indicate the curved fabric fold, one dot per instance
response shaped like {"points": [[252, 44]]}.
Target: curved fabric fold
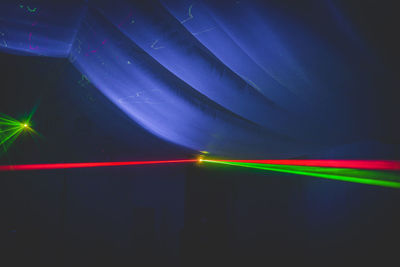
{"points": [[158, 33], [161, 102], [39, 28]]}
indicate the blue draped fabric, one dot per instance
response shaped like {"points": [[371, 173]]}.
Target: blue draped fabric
{"points": [[235, 78]]}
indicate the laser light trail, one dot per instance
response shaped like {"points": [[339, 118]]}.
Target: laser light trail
{"points": [[390, 165], [347, 175], [53, 166]]}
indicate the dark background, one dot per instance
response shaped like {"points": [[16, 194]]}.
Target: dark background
{"points": [[181, 215]]}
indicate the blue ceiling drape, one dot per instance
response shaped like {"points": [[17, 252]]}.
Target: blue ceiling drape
{"points": [[235, 78]]}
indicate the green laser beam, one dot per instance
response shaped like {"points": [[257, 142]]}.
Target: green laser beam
{"points": [[10, 129], [347, 175], [4, 120], [31, 114], [9, 139], [370, 174], [10, 135], [12, 139], [10, 124]]}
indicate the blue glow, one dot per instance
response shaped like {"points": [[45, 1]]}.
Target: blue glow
{"points": [[228, 77]]}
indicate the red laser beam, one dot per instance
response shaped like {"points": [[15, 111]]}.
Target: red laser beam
{"points": [[52, 166], [389, 165]]}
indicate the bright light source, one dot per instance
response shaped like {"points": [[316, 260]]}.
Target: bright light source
{"points": [[11, 129]]}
